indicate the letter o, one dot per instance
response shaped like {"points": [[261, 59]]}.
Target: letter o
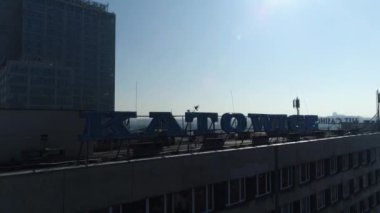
{"points": [[227, 126]]}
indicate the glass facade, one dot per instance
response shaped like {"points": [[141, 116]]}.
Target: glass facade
{"points": [[72, 35], [36, 85]]}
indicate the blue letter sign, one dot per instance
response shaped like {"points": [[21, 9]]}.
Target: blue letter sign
{"points": [[202, 121], [106, 125], [164, 122], [228, 119]]}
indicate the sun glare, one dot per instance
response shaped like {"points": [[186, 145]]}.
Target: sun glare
{"points": [[268, 7]]}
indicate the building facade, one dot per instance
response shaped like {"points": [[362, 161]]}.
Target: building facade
{"points": [[340, 174], [58, 54]]}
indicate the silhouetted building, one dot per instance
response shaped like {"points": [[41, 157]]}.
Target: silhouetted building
{"points": [[57, 54]]}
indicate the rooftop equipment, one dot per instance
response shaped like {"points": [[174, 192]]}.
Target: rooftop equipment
{"points": [[297, 105]]}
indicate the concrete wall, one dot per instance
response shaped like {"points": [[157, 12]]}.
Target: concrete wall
{"points": [[21, 130], [78, 189]]}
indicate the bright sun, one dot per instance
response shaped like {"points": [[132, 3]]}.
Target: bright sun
{"points": [[268, 7]]}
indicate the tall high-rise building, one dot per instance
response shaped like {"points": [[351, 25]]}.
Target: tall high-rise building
{"points": [[57, 54]]}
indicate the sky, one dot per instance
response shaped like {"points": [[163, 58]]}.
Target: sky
{"points": [[247, 56]]}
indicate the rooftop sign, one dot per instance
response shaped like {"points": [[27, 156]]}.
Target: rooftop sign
{"points": [[112, 125], [338, 120]]}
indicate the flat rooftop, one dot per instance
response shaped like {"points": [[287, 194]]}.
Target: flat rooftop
{"points": [[89, 4]]}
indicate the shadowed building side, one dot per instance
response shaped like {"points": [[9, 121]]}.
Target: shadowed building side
{"points": [[326, 175], [10, 30], [43, 36]]}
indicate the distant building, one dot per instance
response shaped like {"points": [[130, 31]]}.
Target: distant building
{"points": [[57, 54]]}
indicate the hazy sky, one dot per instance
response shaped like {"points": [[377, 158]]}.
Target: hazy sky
{"points": [[183, 53]]}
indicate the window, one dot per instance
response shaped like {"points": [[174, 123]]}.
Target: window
{"points": [[250, 187], [354, 208], [220, 195], [286, 178], [210, 197], [364, 158], [364, 206], [365, 181], [355, 160], [334, 194], [321, 200], [304, 171], [378, 175], [333, 165], [203, 198], [287, 208], [372, 178], [236, 191], [115, 209], [356, 183], [345, 162], [320, 169], [373, 155], [346, 189], [159, 204], [263, 184], [371, 201], [305, 205], [138, 207], [182, 201]]}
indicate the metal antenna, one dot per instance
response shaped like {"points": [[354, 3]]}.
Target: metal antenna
{"points": [[232, 100], [297, 105], [136, 98], [378, 109]]}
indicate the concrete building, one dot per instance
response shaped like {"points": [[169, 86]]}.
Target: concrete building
{"points": [[57, 54], [29, 135], [339, 174]]}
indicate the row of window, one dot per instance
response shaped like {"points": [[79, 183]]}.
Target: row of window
{"points": [[316, 202], [38, 70], [224, 195], [307, 172], [333, 194], [365, 205], [199, 199], [230, 193]]}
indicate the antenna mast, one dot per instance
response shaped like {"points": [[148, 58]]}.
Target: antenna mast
{"points": [[136, 98], [378, 110], [232, 100], [297, 105]]}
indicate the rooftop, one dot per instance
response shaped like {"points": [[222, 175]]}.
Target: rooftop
{"points": [[171, 151], [89, 3]]}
